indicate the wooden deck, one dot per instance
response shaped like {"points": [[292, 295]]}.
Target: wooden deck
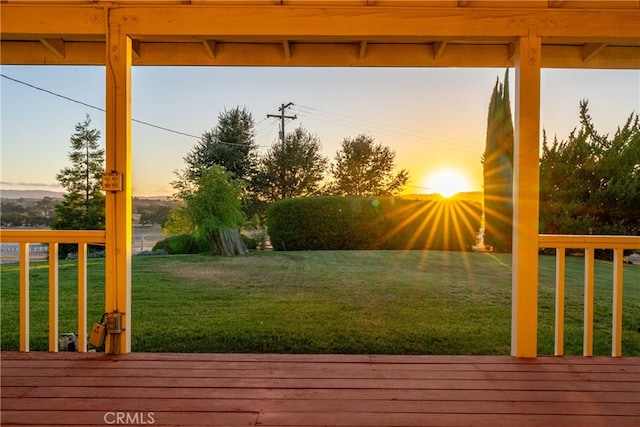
{"points": [[317, 390]]}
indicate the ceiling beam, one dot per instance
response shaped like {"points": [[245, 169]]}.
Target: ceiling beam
{"points": [[320, 55], [296, 23]]}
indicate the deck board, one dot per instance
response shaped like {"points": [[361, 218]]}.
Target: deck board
{"points": [[41, 389]]}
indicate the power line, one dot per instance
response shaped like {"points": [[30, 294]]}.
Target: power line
{"points": [[166, 129]]}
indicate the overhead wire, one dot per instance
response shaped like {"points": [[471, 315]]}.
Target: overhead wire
{"points": [[166, 129]]}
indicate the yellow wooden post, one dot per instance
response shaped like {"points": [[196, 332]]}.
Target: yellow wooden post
{"points": [[616, 324], [24, 296], [526, 173], [82, 297], [53, 297], [118, 202]]}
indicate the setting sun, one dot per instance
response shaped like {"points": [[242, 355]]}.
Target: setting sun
{"points": [[447, 182]]}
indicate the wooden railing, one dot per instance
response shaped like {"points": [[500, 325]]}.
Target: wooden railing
{"points": [[589, 244], [53, 238]]}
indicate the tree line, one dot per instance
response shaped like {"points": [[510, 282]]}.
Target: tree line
{"points": [[589, 183]]}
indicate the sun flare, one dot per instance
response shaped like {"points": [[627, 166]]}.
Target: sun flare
{"points": [[447, 182]]}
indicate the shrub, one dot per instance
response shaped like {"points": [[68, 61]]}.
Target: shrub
{"points": [[335, 222], [181, 244]]}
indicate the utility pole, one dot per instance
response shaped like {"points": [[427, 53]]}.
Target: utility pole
{"points": [[282, 116]]}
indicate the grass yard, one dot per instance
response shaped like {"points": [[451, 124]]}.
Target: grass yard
{"points": [[392, 302]]}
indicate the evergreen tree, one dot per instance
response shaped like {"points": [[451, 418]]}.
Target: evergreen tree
{"points": [[230, 145], [82, 207], [590, 183], [292, 169], [498, 170], [363, 168]]}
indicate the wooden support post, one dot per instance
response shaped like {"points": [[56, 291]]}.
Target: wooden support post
{"points": [[558, 348], [526, 178], [118, 202], [616, 321]]}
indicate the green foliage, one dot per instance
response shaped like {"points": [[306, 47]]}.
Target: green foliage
{"points": [[292, 169], [498, 170], [590, 183], [82, 207], [363, 168], [182, 244], [212, 203], [338, 223], [230, 145], [158, 215]]}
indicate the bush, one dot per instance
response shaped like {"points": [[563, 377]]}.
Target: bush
{"points": [[336, 223], [181, 244]]}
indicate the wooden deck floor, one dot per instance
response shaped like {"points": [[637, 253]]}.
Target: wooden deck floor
{"points": [[317, 390]]}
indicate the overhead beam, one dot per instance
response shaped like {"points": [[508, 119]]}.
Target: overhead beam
{"points": [[56, 46], [591, 50], [135, 49], [320, 55]]}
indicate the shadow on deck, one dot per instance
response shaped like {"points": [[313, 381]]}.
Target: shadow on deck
{"points": [[317, 390]]}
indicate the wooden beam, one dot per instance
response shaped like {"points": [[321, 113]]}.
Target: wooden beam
{"points": [[118, 203], [438, 49], [463, 3], [339, 55], [51, 20], [367, 23], [526, 193], [210, 48], [591, 50], [287, 50], [555, 3], [363, 50], [56, 46]]}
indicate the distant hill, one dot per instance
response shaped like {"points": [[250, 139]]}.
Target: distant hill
{"points": [[30, 194]]}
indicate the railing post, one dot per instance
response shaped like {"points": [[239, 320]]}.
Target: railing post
{"points": [[616, 321], [24, 297], [82, 297], [558, 348], [589, 261], [524, 311], [53, 296]]}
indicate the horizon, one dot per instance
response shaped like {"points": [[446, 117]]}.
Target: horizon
{"points": [[434, 119]]}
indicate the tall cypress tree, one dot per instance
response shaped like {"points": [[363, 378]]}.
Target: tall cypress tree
{"points": [[498, 170]]}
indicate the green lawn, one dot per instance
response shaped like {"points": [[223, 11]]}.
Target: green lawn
{"points": [[394, 302]]}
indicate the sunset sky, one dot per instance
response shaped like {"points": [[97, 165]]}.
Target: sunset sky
{"points": [[434, 119]]}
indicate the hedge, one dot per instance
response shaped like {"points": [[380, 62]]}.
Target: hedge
{"points": [[335, 222]]}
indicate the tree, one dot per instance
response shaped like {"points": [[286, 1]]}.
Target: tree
{"points": [[82, 207], [498, 170], [363, 168], [590, 183], [212, 210], [293, 169], [231, 145]]}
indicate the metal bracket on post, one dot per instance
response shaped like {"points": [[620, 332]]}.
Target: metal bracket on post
{"points": [[111, 181], [114, 323]]}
